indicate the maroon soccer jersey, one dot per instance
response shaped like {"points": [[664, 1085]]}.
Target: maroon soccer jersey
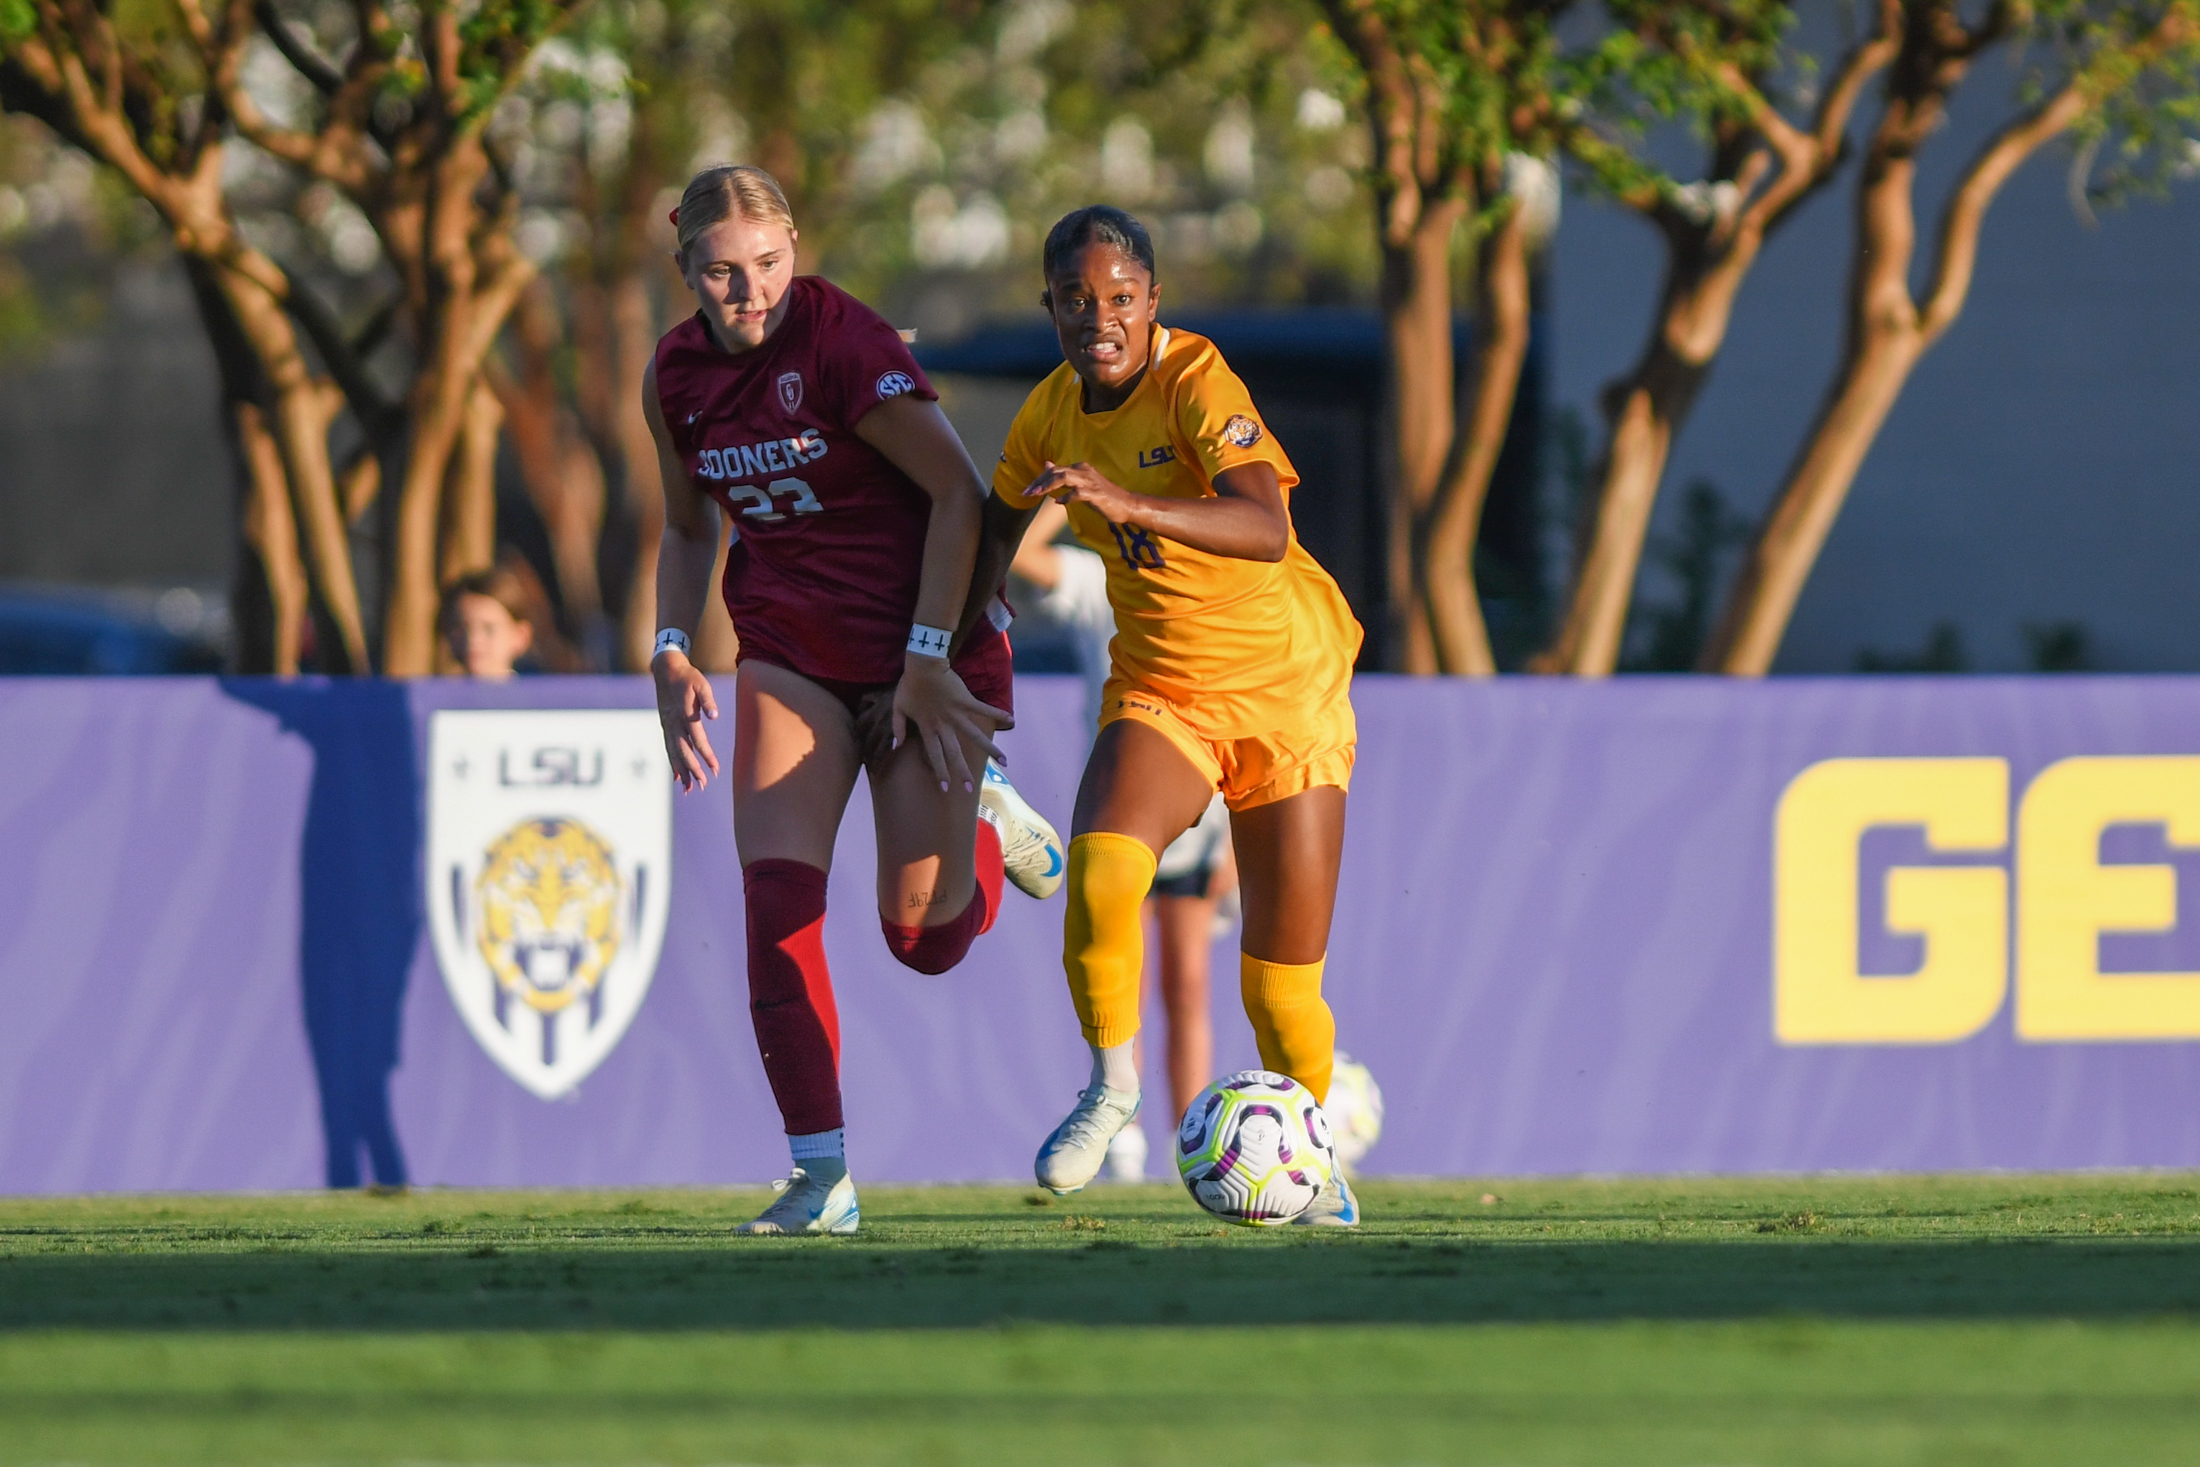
{"points": [[829, 535]]}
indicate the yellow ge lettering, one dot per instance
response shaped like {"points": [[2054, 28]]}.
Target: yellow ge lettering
{"points": [[1819, 997], [2065, 900]]}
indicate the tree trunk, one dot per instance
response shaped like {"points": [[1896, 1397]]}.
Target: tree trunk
{"points": [[469, 280], [1780, 560], [1649, 406], [470, 498], [272, 534], [1889, 327], [556, 460], [303, 410], [1417, 310], [1444, 561], [634, 336]]}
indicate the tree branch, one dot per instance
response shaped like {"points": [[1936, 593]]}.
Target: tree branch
{"points": [[299, 52], [343, 358], [1392, 109], [2108, 73]]}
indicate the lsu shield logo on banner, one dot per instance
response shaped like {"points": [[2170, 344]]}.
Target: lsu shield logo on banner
{"points": [[549, 877]]}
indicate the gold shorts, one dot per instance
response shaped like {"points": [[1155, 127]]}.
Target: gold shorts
{"points": [[1316, 748]]}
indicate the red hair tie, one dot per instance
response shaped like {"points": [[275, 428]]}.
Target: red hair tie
{"points": [[674, 216]]}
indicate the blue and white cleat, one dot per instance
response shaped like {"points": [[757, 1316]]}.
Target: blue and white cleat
{"points": [[1333, 1206], [1074, 1154], [807, 1204], [1030, 848]]}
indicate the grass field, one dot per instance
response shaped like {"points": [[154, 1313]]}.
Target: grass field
{"points": [[1804, 1321]]}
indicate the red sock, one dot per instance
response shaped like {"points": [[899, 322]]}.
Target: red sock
{"points": [[791, 992], [991, 873], [936, 949]]}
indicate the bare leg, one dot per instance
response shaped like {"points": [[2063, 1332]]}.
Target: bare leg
{"points": [[1288, 854], [1139, 784], [794, 765], [925, 838], [1186, 926]]}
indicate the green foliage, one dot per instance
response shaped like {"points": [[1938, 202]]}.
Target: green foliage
{"points": [[926, 148], [1701, 64], [18, 19], [495, 38], [2140, 60]]}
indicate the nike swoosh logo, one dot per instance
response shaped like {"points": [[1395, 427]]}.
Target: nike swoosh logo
{"points": [[1054, 861]]}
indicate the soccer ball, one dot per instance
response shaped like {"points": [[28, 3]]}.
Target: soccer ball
{"points": [[1355, 1108], [1254, 1148]]}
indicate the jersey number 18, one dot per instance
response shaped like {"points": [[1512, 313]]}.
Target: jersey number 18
{"points": [[1137, 546]]}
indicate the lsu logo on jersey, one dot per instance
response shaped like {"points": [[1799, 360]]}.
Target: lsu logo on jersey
{"points": [[790, 390], [548, 875], [894, 384], [1154, 458], [1240, 431]]}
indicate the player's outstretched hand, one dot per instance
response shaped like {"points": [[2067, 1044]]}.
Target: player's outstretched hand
{"points": [[1081, 483], [684, 701], [932, 706]]}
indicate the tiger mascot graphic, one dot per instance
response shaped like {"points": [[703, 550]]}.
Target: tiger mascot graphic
{"points": [[549, 898]]}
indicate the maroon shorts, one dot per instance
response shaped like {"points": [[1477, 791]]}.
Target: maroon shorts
{"points": [[986, 666]]}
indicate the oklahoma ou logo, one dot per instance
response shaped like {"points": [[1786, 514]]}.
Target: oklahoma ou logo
{"points": [[894, 384]]}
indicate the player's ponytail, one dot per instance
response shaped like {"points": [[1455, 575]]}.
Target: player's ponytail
{"points": [[730, 190]]}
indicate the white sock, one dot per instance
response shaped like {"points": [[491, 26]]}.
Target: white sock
{"points": [[819, 1146], [1115, 1067]]}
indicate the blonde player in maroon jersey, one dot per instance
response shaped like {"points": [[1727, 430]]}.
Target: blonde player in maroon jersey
{"points": [[792, 407]]}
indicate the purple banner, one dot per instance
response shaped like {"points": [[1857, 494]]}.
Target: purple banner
{"points": [[1639, 926]]}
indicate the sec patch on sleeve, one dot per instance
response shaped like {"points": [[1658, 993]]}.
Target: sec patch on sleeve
{"points": [[1240, 431], [894, 384]]}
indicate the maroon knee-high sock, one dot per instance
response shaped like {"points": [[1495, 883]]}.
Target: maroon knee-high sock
{"points": [[791, 992], [936, 949]]}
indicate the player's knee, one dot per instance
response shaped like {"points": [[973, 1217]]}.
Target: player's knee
{"points": [[936, 949]]}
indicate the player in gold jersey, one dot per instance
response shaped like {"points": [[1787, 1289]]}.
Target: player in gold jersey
{"points": [[1232, 668]]}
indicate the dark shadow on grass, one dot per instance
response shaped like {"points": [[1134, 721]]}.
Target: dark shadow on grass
{"points": [[866, 1284]]}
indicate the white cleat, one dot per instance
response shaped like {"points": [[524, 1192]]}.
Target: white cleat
{"points": [[1073, 1155], [1126, 1156], [1030, 848], [1333, 1206], [807, 1204]]}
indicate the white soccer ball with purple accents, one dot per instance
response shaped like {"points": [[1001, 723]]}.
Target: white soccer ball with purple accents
{"points": [[1254, 1148]]}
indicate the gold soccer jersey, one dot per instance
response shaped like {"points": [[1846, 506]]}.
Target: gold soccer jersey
{"points": [[1240, 654]]}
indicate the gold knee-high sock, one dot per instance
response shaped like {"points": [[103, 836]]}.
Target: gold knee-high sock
{"points": [[1103, 941], [1296, 1032]]}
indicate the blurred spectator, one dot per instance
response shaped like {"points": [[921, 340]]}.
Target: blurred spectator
{"points": [[498, 622]]}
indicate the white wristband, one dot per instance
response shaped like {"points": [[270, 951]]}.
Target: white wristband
{"points": [[929, 641], [674, 638]]}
